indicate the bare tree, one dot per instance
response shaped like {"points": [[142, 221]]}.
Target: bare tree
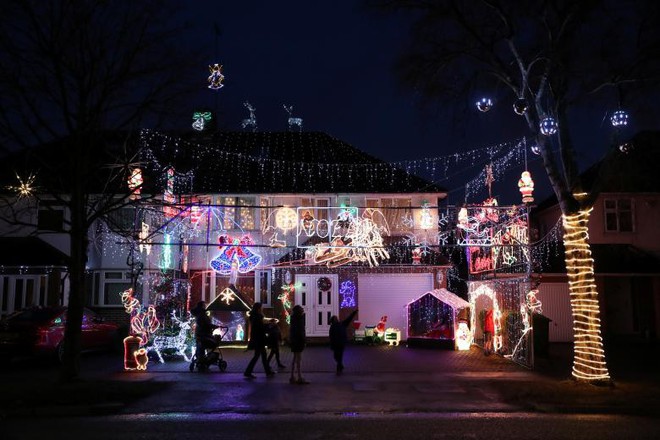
{"points": [[551, 58], [72, 74]]}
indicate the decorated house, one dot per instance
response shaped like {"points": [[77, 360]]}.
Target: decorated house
{"points": [[283, 218]]}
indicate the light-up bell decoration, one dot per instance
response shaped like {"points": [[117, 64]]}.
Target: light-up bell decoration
{"points": [[619, 118], [526, 187], [216, 77], [200, 119], [520, 106], [548, 126], [235, 255], [484, 104]]}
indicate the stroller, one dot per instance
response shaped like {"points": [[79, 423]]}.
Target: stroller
{"points": [[212, 352]]}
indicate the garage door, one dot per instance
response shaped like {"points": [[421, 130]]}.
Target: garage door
{"points": [[387, 294]]}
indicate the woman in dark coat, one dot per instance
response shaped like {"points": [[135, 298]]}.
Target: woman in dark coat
{"points": [[338, 338], [297, 341], [257, 342]]}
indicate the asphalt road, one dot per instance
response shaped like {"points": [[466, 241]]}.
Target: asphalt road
{"points": [[455, 426]]}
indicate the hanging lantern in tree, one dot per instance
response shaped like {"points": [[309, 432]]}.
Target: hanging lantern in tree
{"points": [[619, 118], [548, 126], [520, 106], [484, 104], [526, 186], [536, 149], [216, 77]]}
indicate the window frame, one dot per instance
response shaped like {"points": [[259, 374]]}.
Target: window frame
{"points": [[101, 282], [617, 211]]}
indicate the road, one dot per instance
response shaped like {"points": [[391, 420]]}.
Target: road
{"points": [[455, 426]]}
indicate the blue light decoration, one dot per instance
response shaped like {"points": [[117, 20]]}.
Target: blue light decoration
{"points": [[548, 126], [619, 118], [484, 104], [216, 77], [235, 251], [536, 149], [347, 292]]}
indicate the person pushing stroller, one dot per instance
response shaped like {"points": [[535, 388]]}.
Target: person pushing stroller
{"points": [[204, 338]]}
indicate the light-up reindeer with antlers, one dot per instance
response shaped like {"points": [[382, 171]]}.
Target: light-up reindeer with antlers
{"points": [[252, 120], [293, 121], [176, 342]]}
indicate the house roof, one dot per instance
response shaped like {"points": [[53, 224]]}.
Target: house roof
{"points": [[279, 162], [29, 251], [230, 303], [632, 171], [447, 297]]}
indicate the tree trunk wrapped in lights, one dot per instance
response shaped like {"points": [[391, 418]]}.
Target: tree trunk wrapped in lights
{"points": [[589, 355]]}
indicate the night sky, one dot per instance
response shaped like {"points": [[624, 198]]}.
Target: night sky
{"points": [[332, 61]]}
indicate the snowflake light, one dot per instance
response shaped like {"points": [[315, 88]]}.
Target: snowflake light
{"points": [[25, 188], [216, 77]]}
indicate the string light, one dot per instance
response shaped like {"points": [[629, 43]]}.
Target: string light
{"points": [[589, 358], [25, 188]]}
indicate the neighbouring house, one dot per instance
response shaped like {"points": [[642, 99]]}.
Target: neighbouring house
{"points": [[625, 244]]}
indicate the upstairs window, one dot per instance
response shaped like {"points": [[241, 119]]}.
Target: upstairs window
{"points": [[238, 213], [619, 215]]}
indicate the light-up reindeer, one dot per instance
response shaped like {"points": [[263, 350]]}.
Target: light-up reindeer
{"points": [[252, 120], [176, 342], [293, 121]]}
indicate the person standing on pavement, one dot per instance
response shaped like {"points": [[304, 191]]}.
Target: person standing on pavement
{"points": [[297, 341], [489, 329], [273, 340], [257, 342], [338, 338]]}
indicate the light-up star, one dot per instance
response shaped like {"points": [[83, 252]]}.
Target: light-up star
{"points": [[25, 187], [227, 295]]}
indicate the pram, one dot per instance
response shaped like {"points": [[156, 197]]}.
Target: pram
{"points": [[213, 353]]}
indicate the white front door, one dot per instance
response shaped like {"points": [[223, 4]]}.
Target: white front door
{"points": [[317, 294]]}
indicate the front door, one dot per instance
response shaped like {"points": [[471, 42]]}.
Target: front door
{"points": [[317, 294]]}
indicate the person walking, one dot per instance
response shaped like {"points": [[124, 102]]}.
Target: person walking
{"points": [[338, 338], [257, 342], [297, 341], [273, 340]]}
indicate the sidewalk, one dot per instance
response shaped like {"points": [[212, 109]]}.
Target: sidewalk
{"points": [[378, 379]]}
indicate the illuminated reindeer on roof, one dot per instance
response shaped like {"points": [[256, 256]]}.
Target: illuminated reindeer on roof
{"points": [[252, 120], [293, 121]]}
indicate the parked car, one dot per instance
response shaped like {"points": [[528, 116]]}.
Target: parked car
{"points": [[40, 331]]}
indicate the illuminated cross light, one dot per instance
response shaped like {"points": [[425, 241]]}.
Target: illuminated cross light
{"points": [[589, 357]]}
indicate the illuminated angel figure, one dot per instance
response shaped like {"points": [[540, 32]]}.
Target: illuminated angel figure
{"points": [[216, 77]]}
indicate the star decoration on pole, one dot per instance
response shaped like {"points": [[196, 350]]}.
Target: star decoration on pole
{"points": [[227, 295]]}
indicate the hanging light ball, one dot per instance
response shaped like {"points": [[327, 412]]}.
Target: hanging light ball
{"points": [[548, 126], [619, 118], [536, 149], [625, 147], [484, 104], [520, 106]]}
